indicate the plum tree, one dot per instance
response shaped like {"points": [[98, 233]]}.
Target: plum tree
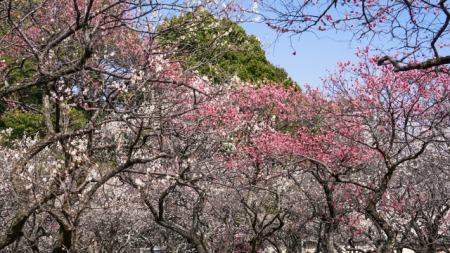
{"points": [[412, 34]]}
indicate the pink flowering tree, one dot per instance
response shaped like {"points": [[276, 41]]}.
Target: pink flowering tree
{"points": [[397, 118], [207, 191], [349, 152]]}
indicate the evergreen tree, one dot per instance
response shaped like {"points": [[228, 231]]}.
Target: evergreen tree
{"points": [[220, 49]]}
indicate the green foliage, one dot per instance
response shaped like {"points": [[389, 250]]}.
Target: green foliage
{"points": [[220, 49], [77, 119], [18, 71], [15, 124], [21, 123]]}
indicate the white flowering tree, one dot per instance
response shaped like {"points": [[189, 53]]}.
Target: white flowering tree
{"points": [[102, 94]]}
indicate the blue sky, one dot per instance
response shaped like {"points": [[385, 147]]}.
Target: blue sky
{"points": [[315, 54]]}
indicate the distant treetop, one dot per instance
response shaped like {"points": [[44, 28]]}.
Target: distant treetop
{"points": [[220, 49]]}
